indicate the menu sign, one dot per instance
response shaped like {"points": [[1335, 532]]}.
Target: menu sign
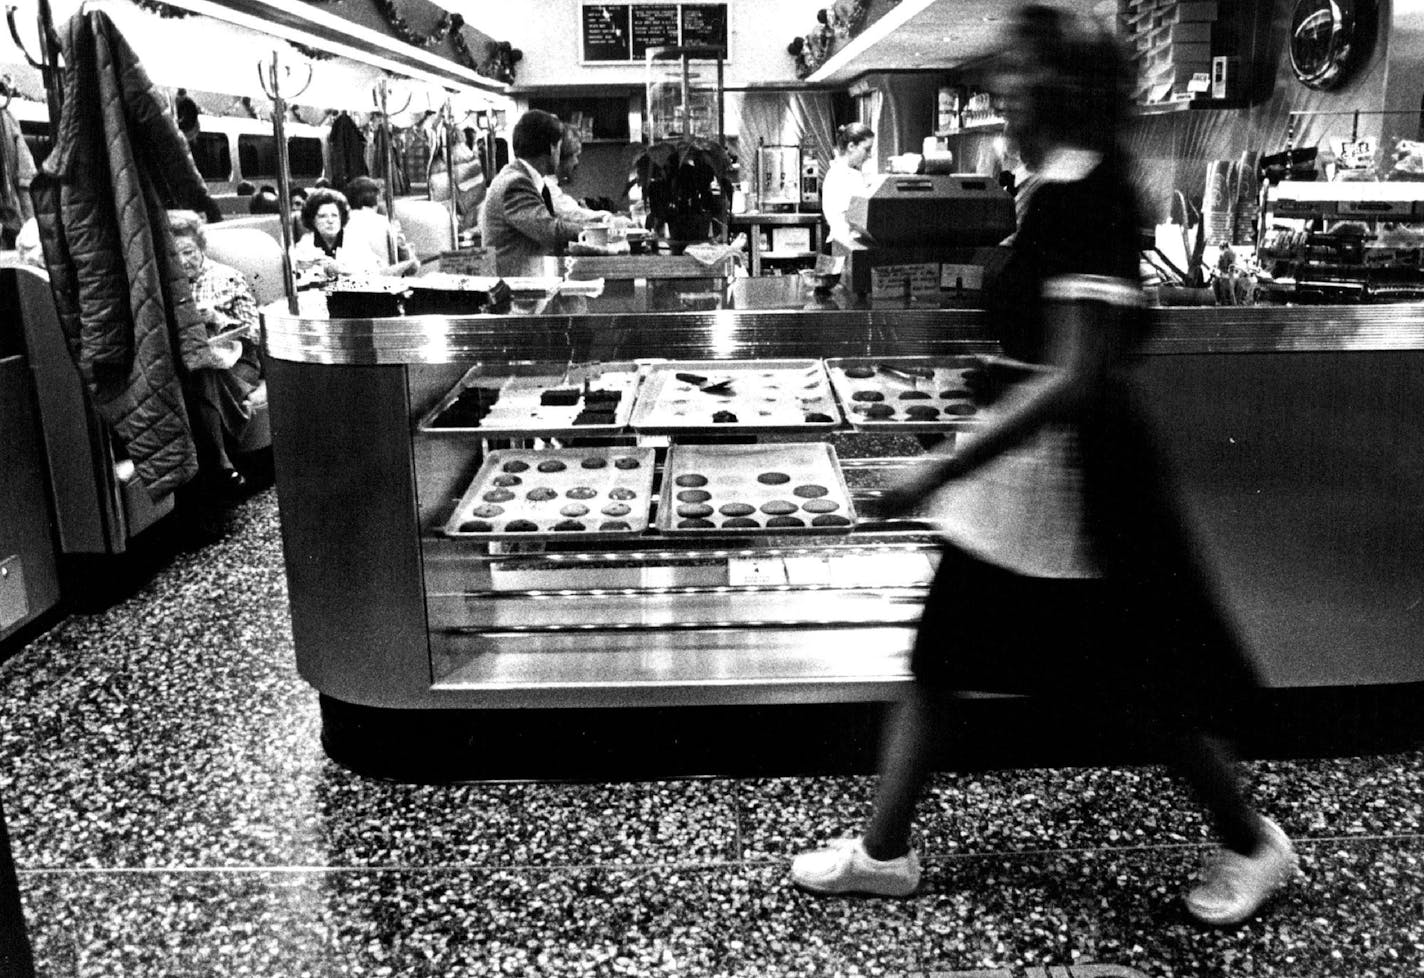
{"points": [[623, 32], [654, 26], [705, 25], [605, 32]]}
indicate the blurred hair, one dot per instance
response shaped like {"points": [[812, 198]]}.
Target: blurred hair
{"points": [[851, 133], [363, 192], [573, 140], [1078, 78], [246, 188], [188, 224], [319, 197], [535, 132], [264, 202]]}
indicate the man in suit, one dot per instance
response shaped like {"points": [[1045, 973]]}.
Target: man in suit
{"points": [[519, 220]]}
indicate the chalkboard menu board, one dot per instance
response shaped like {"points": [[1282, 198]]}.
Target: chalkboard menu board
{"points": [[705, 24], [623, 32], [654, 26], [605, 32]]}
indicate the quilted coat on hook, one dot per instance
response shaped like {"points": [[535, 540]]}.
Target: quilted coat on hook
{"points": [[118, 164]]}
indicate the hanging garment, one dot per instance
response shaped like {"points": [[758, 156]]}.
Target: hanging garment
{"points": [[119, 162], [17, 170], [348, 151], [399, 185]]}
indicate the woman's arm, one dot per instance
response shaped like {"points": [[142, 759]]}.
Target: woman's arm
{"points": [[1086, 337]]}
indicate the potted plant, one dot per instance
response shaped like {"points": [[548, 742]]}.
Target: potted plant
{"points": [[686, 182]]}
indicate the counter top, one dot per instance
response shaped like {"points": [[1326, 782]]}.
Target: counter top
{"points": [[780, 317]]}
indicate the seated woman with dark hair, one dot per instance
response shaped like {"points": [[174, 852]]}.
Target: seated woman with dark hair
{"points": [[367, 228], [218, 392], [321, 255]]}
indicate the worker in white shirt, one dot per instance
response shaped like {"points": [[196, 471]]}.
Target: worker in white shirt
{"points": [[844, 179]]}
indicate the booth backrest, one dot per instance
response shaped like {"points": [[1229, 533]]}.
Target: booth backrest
{"points": [[268, 224], [426, 225], [251, 252]]}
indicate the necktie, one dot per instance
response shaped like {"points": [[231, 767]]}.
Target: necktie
{"points": [[548, 199]]}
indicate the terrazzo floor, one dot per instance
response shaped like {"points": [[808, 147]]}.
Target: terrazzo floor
{"points": [[172, 814]]}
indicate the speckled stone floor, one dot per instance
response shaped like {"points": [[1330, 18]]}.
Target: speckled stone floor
{"points": [[173, 815]]}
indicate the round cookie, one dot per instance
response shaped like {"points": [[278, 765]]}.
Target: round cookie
{"points": [[879, 411], [498, 496], [692, 480], [582, 492], [778, 507], [829, 520], [695, 524], [616, 509], [859, 373], [626, 462], [694, 509], [504, 481], [486, 512], [475, 526], [914, 396], [737, 509], [820, 505], [515, 465], [551, 465], [740, 523], [784, 522], [961, 409], [573, 509], [607, 525], [521, 526], [922, 412], [867, 396], [810, 491], [594, 462], [816, 417], [773, 478], [951, 393], [569, 526], [621, 493], [541, 494], [693, 496], [723, 417]]}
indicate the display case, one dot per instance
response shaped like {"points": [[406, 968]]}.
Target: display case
{"points": [[405, 598]]}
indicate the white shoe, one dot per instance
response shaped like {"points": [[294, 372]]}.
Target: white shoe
{"points": [[1233, 887], [844, 867]]}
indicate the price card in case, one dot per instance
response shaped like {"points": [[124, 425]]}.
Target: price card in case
{"points": [[756, 570]]}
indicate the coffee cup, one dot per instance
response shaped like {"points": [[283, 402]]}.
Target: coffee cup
{"points": [[596, 234]]}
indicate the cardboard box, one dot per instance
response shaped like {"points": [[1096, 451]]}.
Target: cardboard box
{"points": [[1223, 77], [1188, 12], [1195, 32], [1197, 54]]}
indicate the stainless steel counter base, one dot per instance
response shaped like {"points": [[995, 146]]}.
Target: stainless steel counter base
{"points": [[1295, 433]]}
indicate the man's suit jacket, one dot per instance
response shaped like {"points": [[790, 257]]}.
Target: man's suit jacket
{"points": [[518, 225]]}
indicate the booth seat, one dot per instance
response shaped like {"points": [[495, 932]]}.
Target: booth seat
{"points": [[426, 225]]}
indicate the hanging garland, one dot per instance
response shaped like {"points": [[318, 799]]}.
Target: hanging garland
{"points": [[405, 32], [162, 9], [313, 53]]}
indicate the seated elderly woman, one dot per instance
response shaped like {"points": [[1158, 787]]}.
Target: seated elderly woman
{"points": [[218, 392], [369, 228], [322, 254]]}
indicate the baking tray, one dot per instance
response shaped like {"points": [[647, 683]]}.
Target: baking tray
{"points": [[595, 488], [949, 374], [807, 474], [516, 409], [767, 396]]}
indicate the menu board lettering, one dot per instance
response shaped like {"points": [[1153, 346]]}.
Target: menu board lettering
{"points": [[654, 26], [623, 32], [705, 25], [605, 32]]}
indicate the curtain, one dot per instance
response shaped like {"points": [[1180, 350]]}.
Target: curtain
{"points": [[785, 119]]}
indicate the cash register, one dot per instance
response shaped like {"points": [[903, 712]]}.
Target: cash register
{"points": [[926, 233]]}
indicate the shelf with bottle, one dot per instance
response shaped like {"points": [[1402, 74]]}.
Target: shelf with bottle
{"points": [[977, 126]]}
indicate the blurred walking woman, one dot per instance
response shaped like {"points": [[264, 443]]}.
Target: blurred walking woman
{"points": [[1066, 569]]}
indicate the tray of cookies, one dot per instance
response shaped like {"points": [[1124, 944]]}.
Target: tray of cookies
{"points": [[907, 393], [754, 490], [685, 396], [586, 400], [563, 493]]}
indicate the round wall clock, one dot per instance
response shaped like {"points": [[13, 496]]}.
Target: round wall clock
{"points": [[1324, 41]]}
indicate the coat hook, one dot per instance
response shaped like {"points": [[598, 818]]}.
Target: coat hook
{"points": [[10, 11]]}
